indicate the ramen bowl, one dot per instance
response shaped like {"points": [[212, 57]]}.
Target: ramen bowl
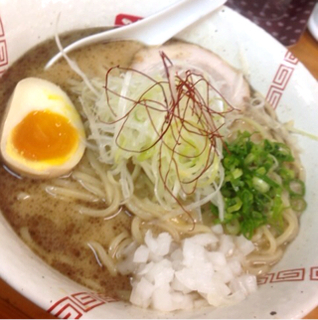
{"points": [[290, 289]]}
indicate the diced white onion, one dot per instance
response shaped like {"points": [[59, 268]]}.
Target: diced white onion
{"points": [[205, 269]]}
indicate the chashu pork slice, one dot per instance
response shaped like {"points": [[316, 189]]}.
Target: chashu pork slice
{"points": [[227, 80]]}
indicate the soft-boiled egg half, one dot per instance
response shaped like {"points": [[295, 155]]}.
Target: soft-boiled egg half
{"points": [[42, 134]]}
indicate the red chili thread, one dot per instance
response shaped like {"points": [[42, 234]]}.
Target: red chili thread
{"points": [[179, 88]]}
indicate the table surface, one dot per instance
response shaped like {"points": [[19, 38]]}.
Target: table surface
{"points": [[14, 306]]}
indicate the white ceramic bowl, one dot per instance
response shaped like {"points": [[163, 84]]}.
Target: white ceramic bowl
{"points": [[291, 288]]}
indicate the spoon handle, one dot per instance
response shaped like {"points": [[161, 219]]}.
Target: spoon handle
{"points": [[153, 30], [162, 26]]}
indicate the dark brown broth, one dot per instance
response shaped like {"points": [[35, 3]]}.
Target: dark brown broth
{"points": [[60, 234]]}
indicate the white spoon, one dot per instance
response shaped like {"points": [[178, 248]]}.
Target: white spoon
{"points": [[154, 30]]}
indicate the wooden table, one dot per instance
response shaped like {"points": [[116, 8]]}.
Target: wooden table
{"points": [[14, 305]]}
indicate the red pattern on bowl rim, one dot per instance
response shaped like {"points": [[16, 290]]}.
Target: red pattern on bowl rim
{"points": [[4, 59]]}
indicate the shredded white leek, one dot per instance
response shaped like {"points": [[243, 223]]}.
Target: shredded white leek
{"points": [[170, 147]]}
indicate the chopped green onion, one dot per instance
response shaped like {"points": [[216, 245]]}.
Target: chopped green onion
{"points": [[251, 197], [260, 185], [286, 174], [298, 204], [296, 187], [234, 204], [266, 179], [237, 173], [233, 227]]}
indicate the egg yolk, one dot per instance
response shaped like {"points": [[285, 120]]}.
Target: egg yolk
{"points": [[43, 136]]}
